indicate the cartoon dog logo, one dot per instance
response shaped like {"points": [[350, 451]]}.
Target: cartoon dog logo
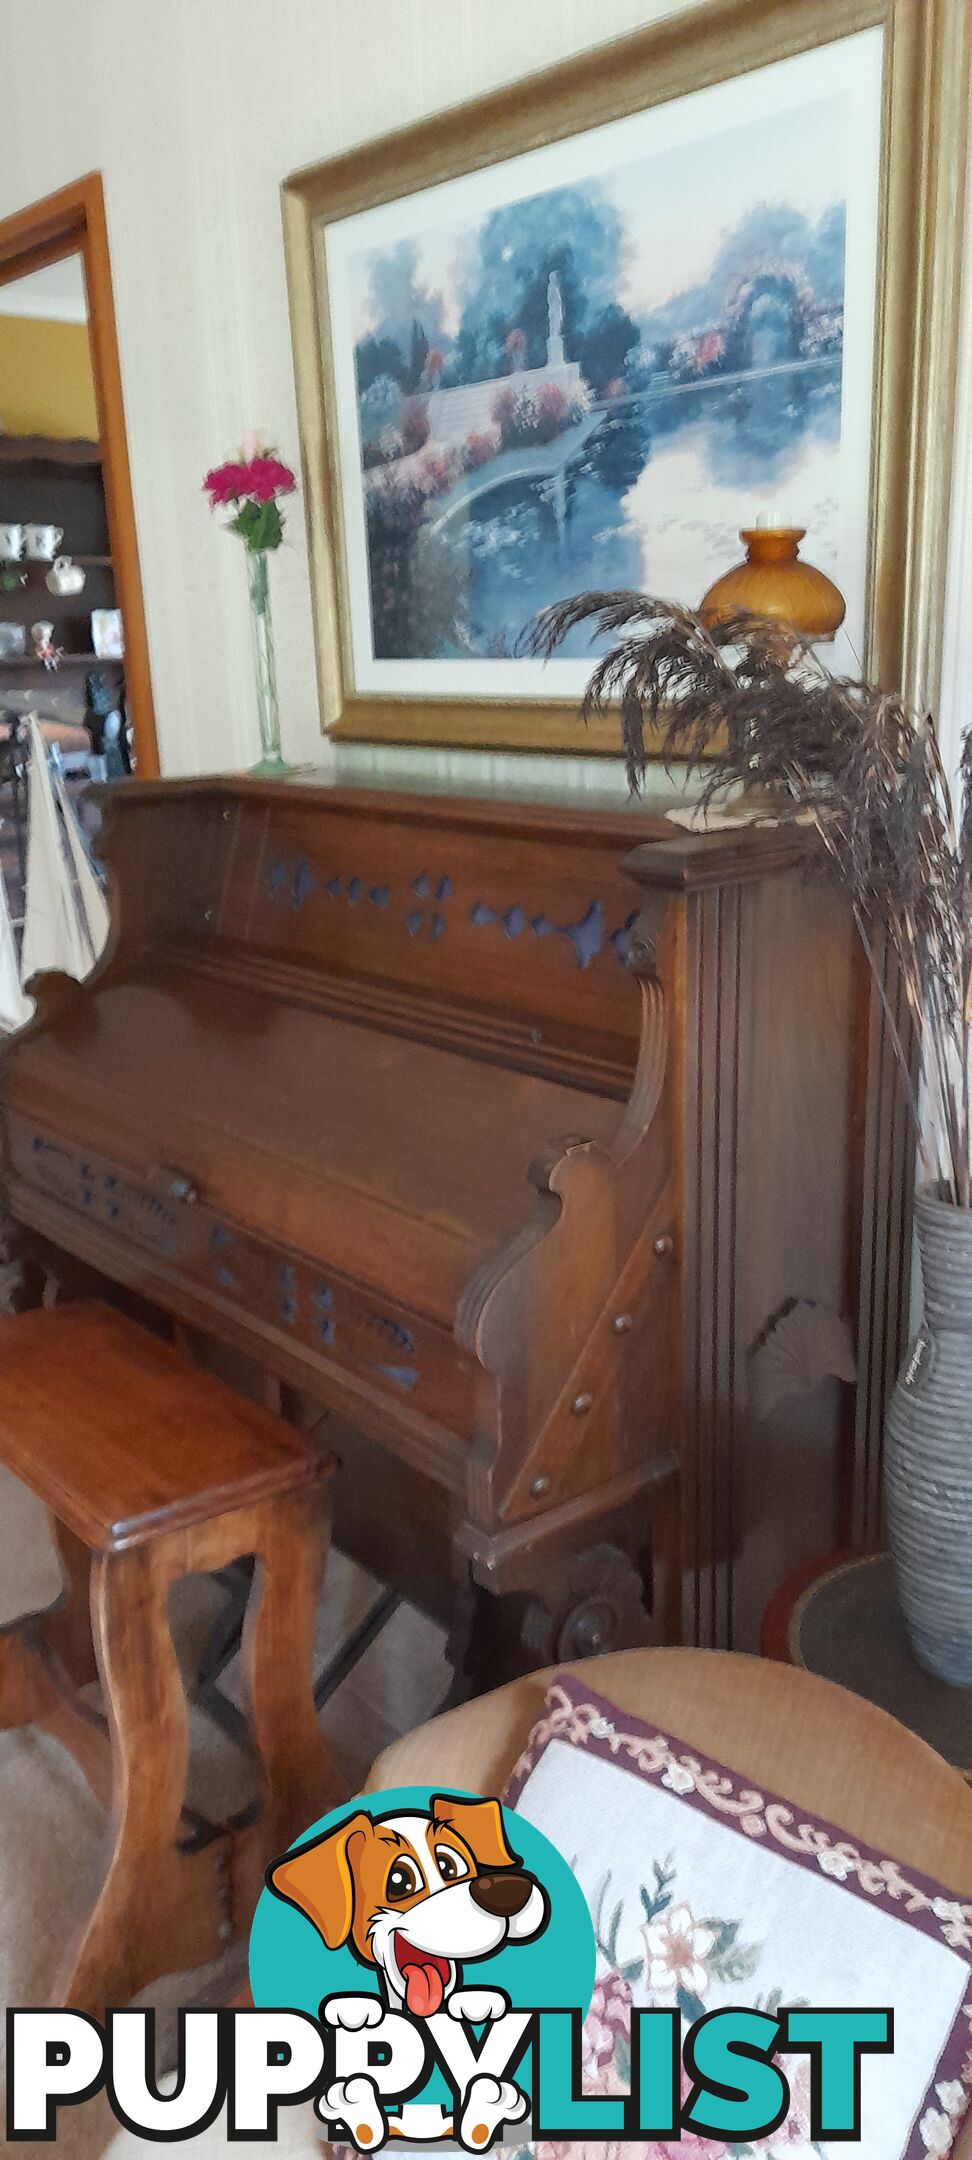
{"points": [[417, 1897]]}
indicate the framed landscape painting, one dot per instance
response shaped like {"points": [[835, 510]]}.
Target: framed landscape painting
{"points": [[579, 335]]}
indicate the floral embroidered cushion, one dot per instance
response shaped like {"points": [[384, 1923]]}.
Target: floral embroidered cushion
{"points": [[707, 1894]]}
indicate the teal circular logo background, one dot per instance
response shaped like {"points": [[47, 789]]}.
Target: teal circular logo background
{"points": [[291, 1967]]}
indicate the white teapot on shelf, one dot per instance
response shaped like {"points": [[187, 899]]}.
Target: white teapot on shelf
{"points": [[65, 577]]}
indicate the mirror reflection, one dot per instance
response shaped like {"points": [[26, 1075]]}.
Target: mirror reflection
{"points": [[61, 631]]}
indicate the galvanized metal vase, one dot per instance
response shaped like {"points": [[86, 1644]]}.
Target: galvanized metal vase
{"points": [[928, 1458]]}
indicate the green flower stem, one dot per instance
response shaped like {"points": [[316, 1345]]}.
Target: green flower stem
{"points": [[259, 524]]}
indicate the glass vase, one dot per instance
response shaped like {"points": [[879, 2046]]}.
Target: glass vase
{"points": [[271, 759]]}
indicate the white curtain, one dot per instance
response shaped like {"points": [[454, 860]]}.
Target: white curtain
{"points": [[66, 920], [15, 1008]]}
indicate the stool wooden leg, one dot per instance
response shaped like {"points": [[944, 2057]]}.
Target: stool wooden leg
{"points": [[27, 1693], [299, 1780], [21, 1695], [67, 1631], [150, 1916]]}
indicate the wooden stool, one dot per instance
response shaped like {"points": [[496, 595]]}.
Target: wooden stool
{"points": [[152, 1470]]}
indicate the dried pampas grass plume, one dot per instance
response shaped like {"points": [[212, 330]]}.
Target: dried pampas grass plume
{"points": [[748, 699]]}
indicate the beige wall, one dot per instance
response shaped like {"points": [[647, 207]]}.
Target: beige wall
{"points": [[46, 384], [195, 111]]}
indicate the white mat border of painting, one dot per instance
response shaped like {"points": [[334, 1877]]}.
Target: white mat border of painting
{"points": [[850, 66]]}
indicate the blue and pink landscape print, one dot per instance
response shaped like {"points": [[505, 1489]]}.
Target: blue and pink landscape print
{"points": [[597, 383]]}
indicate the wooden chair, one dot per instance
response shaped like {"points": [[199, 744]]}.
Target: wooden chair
{"points": [[152, 1470], [794, 1734]]}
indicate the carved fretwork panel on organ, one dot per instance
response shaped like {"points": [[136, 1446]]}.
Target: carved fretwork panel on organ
{"points": [[490, 1132]]}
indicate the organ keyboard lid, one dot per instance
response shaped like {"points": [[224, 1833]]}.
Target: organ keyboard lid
{"points": [[343, 1014], [349, 1134]]}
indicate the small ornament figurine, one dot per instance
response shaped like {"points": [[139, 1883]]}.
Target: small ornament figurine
{"points": [[252, 484], [42, 639]]}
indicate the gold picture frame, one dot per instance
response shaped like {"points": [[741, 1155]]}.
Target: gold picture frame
{"points": [[926, 57]]}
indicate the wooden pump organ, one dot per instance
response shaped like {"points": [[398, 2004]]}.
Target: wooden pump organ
{"points": [[502, 1144]]}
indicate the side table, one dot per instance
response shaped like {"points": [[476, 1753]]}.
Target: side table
{"points": [[840, 1618]]}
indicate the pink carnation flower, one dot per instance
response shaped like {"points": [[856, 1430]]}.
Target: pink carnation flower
{"points": [[264, 477], [225, 484], [260, 477]]}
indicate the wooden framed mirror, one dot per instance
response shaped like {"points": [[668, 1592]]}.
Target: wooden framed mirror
{"points": [[72, 223]]}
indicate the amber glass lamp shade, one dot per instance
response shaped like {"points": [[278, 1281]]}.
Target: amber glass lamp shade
{"points": [[774, 582]]}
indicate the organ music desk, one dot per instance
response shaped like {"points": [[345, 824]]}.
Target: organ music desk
{"points": [[496, 1141]]}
